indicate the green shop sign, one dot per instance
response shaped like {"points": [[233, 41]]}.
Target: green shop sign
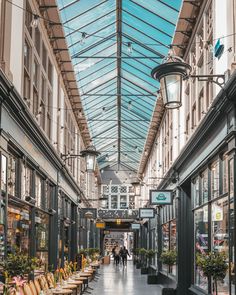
{"points": [[163, 197]]}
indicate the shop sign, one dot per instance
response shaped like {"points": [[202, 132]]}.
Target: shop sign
{"points": [[100, 224], [217, 213], [146, 212], [135, 226], [163, 197]]}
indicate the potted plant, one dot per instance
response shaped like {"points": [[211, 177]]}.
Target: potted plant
{"points": [[213, 264], [150, 254], [19, 265], [143, 254], [169, 258], [138, 257]]}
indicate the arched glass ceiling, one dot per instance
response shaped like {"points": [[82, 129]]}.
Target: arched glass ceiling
{"points": [[114, 45]]}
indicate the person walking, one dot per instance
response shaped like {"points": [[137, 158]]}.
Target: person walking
{"points": [[117, 255], [123, 253]]}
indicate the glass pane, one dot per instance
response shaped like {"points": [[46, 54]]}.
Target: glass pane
{"points": [[4, 174], [204, 180], [11, 180], [215, 180], [42, 233], [114, 202], [201, 243], [38, 191], [173, 242], [196, 194], [165, 242], [220, 236], [18, 229], [225, 174]]}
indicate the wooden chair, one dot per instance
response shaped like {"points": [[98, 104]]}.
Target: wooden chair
{"points": [[33, 288], [50, 280], [27, 290], [43, 283], [37, 286]]}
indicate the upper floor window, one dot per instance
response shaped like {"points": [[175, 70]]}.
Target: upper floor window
{"points": [[27, 175]]}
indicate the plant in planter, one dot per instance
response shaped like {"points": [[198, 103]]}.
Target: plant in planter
{"points": [[213, 265], [150, 254], [19, 265], [143, 254], [169, 258]]}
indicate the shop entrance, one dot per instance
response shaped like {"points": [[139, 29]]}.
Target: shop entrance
{"points": [[118, 239]]}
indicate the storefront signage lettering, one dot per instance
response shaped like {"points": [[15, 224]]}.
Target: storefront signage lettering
{"points": [[163, 197], [146, 212]]}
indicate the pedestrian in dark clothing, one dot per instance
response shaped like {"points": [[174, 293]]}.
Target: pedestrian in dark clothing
{"points": [[123, 253], [117, 256]]}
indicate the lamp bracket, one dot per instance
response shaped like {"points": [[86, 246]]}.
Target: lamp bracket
{"points": [[217, 79], [68, 156]]}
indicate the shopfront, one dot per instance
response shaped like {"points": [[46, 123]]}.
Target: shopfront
{"points": [[213, 211]]}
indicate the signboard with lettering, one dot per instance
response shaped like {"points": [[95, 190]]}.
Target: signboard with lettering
{"points": [[163, 197], [100, 224], [146, 212], [135, 225]]}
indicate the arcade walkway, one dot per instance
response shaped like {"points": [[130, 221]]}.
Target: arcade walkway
{"points": [[119, 281]]}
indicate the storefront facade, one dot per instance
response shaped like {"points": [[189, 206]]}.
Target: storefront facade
{"points": [[201, 218]]}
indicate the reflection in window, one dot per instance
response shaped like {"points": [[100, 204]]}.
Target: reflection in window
{"points": [[204, 180], [215, 180], [123, 202], [165, 242], [201, 243], [220, 235], [26, 181], [18, 229], [42, 233], [38, 190], [196, 194], [4, 174], [11, 179], [225, 174]]}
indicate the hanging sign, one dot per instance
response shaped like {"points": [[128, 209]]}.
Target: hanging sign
{"points": [[163, 197], [146, 212], [135, 226], [100, 224]]}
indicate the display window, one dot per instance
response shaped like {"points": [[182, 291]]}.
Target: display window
{"points": [[214, 222], [42, 236], [201, 243], [18, 229]]}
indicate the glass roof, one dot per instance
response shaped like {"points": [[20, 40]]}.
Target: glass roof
{"points": [[114, 45]]}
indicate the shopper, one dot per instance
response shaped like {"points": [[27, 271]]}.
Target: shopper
{"points": [[123, 253], [117, 255]]}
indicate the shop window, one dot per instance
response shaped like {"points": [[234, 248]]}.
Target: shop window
{"points": [[38, 190], [220, 235], [48, 196], [42, 234], [173, 242], [27, 175], [196, 193], [231, 227], [204, 186], [18, 229], [11, 176], [225, 174], [215, 180], [3, 174], [201, 243]]}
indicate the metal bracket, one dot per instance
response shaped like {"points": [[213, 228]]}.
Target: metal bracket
{"points": [[217, 79]]}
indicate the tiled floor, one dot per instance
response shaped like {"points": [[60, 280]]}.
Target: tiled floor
{"points": [[116, 280]]}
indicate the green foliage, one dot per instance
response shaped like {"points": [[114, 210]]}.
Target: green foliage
{"points": [[169, 257], [19, 264], [213, 264], [142, 251], [150, 253], [136, 251]]}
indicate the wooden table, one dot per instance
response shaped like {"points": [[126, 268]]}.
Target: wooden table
{"points": [[62, 291]]}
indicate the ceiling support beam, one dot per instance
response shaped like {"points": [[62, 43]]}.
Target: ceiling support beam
{"points": [[119, 52]]}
